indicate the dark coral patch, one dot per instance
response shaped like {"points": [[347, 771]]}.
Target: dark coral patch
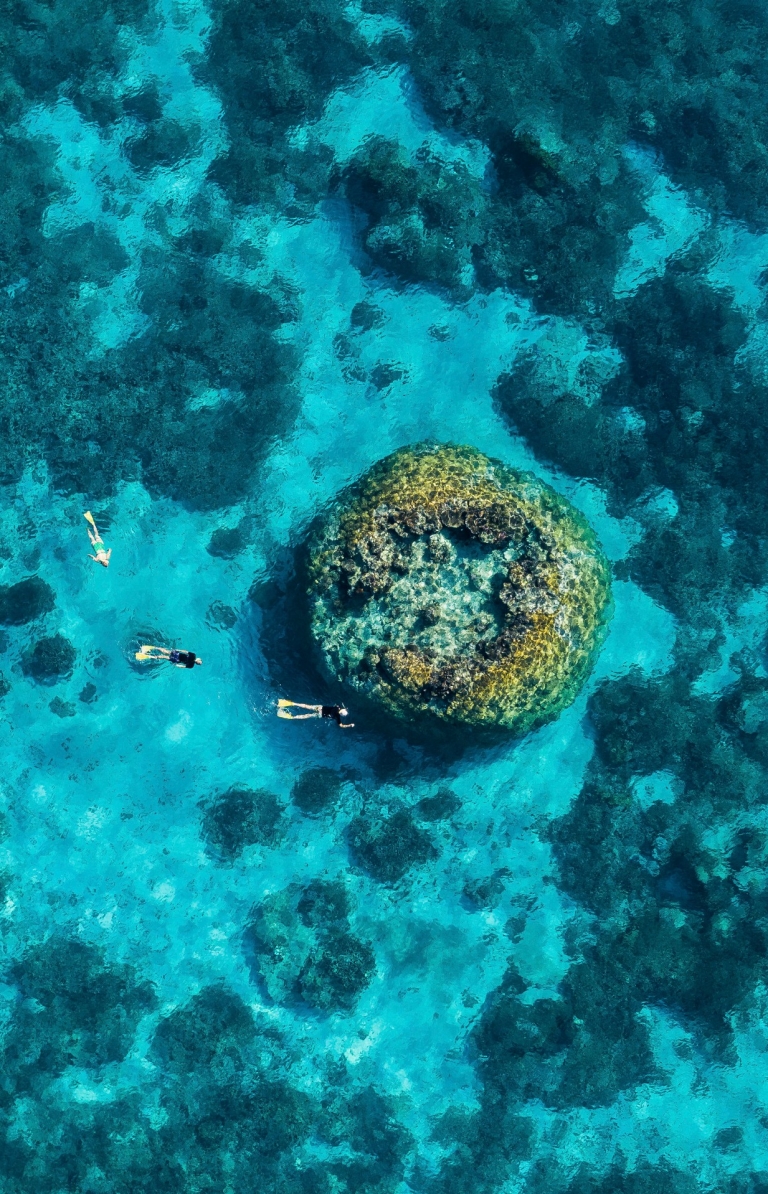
{"points": [[274, 67], [316, 790], [440, 807], [227, 542], [387, 847], [425, 217], [25, 601], [215, 1021], [207, 369], [239, 818], [74, 1009], [334, 975], [304, 950], [225, 1115], [162, 143], [50, 660]]}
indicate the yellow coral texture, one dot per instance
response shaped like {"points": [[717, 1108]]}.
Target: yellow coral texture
{"points": [[445, 584]]}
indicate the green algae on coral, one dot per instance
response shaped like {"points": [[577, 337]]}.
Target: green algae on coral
{"points": [[448, 584]]}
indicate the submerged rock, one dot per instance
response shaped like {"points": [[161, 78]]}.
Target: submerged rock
{"points": [[445, 583]]}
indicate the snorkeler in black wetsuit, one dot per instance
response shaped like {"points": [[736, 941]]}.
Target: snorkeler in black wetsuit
{"points": [[183, 658], [333, 712]]}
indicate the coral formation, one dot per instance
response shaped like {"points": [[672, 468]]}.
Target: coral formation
{"points": [[425, 217], [227, 542], [440, 807], [304, 949], [72, 1010], [388, 846], [274, 66], [446, 583], [25, 601], [51, 659], [101, 417], [222, 1113], [316, 790], [558, 93], [239, 818]]}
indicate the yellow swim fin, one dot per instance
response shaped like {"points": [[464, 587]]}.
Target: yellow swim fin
{"points": [[283, 704], [145, 652], [89, 518]]}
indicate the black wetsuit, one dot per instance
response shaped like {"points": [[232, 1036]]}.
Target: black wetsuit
{"points": [[186, 657], [333, 711]]}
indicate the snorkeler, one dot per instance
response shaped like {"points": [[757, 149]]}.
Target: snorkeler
{"points": [[179, 658], [97, 543], [335, 712]]}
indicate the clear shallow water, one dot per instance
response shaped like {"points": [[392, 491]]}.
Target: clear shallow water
{"points": [[566, 988]]}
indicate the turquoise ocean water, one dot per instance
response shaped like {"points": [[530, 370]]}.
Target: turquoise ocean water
{"points": [[246, 252]]}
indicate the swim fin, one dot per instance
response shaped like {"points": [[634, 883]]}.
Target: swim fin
{"points": [[145, 652], [283, 704]]}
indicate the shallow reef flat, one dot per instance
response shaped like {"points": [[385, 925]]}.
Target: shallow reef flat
{"points": [[447, 584]]}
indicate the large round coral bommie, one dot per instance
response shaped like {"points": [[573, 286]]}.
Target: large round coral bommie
{"points": [[444, 583]]}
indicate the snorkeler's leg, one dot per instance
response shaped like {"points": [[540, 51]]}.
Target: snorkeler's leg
{"points": [[148, 651], [93, 535], [295, 716]]}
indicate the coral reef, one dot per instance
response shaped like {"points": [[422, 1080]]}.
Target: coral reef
{"points": [[239, 818], [73, 1010], [227, 542], [316, 790], [275, 66], [25, 601], [386, 847], [558, 93], [425, 217], [304, 949], [101, 417], [51, 659], [447, 584], [440, 807], [221, 1110]]}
